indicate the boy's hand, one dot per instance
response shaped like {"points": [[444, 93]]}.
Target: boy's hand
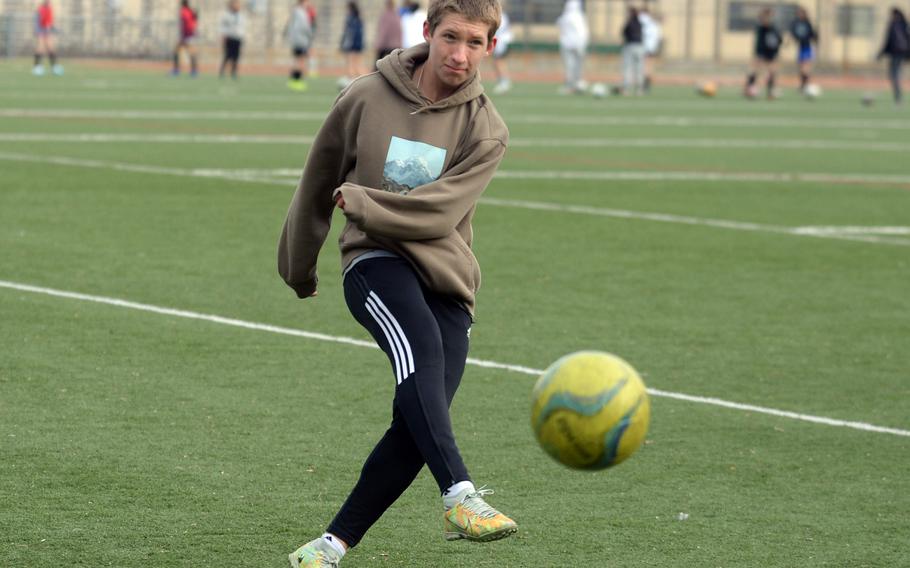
{"points": [[339, 201]]}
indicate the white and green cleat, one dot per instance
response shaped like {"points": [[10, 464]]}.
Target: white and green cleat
{"points": [[473, 519], [315, 554]]}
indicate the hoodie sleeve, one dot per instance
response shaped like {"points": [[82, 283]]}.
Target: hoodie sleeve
{"points": [[432, 210], [310, 214]]}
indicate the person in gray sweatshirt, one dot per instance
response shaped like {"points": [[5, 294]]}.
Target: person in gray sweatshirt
{"points": [[405, 153]]}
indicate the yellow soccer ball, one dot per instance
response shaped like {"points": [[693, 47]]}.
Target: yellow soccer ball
{"points": [[590, 410]]}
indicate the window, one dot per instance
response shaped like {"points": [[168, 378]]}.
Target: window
{"points": [[534, 11], [743, 16], [855, 20]]}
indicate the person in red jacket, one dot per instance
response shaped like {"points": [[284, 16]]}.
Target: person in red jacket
{"points": [[189, 21], [44, 39]]}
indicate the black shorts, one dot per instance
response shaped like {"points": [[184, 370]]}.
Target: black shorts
{"points": [[232, 48], [767, 56], [299, 51]]}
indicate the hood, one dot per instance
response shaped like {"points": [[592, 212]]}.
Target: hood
{"points": [[397, 69], [572, 7]]}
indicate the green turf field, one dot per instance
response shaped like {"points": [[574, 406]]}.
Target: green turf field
{"points": [[744, 252]]}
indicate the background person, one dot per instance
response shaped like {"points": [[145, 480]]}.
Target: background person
{"points": [[897, 47], [189, 21], [805, 35], [412, 19], [500, 52], [312, 54], [408, 183], [651, 37], [573, 44], [44, 39], [388, 31], [233, 28], [767, 47], [633, 55], [352, 44], [299, 34]]}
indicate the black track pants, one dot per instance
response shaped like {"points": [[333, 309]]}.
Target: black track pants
{"points": [[426, 339]]}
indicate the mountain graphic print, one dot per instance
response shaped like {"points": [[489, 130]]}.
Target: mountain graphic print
{"points": [[410, 164]]}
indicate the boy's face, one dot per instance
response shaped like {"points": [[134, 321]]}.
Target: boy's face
{"points": [[457, 46]]}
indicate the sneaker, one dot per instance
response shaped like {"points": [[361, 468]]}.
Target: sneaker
{"points": [[473, 519], [299, 86], [38, 70], [315, 554], [502, 87]]}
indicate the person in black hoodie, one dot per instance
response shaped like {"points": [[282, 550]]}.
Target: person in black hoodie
{"points": [[633, 55], [897, 48], [805, 35], [767, 46]]}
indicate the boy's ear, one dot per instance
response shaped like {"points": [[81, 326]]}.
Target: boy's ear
{"points": [[426, 31], [491, 45]]}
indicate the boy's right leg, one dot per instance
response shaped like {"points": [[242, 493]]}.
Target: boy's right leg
{"points": [[386, 297], [390, 469]]}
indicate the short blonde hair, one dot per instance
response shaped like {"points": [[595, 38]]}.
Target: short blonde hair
{"points": [[488, 12]]}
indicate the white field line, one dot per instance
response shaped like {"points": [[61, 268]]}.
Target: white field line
{"points": [[120, 303], [640, 175], [573, 175], [663, 120], [868, 237], [268, 177], [88, 137], [162, 114], [627, 175], [718, 143], [227, 95], [850, 230], [717, 121], [125, 93]]}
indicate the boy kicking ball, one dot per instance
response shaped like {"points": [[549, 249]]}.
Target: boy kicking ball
{"points": [[405, 153]]}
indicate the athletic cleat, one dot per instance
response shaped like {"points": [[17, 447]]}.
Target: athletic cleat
{"points": [[299, 86], [58, 70], [38, 70], [315, 554], [502, 87], [473, 519]]}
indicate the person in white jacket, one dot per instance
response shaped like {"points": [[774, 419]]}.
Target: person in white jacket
{"points": [[503, 39], [652, 35], [412, 20], [573, 43], [233, 28]]}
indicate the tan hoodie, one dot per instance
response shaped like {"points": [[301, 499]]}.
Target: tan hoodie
{"points": [[410, 171]]}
